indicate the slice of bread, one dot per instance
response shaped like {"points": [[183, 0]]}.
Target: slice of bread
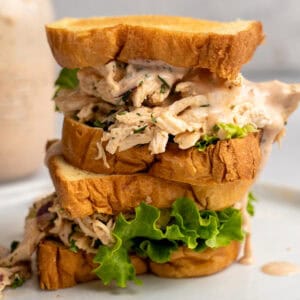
{"points": [[227, 161], [188, 263], [83, 193], [79, 147], [184, 42], [58, 267]]}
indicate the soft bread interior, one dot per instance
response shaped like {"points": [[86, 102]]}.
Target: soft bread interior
{"points": [[72, 173]]}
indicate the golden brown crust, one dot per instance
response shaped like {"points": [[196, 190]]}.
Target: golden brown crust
{"points": [[185, 42], [187, 263], [79, 147], [58, 267], [111, 194], [83, 193], [227, 161]]}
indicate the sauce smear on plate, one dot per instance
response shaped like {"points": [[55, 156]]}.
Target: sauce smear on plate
{"points": [[280, 268]]}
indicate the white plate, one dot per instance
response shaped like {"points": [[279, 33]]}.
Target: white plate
{"points": [[276, 237]]}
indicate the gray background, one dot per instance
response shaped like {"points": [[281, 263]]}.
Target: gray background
{"points": [[277, 58]]}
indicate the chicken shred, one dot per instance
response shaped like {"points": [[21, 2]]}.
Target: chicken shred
{"points": [[150, 100]]}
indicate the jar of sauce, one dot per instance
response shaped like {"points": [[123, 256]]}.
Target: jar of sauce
{"points": [[26, 86]]}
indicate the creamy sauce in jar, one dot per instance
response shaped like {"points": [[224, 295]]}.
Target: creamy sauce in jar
{"points": [[280, 268], [26, 85]]}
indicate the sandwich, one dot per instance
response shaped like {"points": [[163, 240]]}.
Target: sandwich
{"points": [[161, 142]]}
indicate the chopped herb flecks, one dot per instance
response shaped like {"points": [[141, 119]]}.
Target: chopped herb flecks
{"points": [[164, 86], [99, 124], [153, 119], [140, 130], [121, 113], [18, 281], [73, 246]]}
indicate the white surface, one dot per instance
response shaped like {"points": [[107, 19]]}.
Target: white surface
{"points": [[276, 230]]}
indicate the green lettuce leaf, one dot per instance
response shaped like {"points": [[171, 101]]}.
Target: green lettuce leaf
{"points": [[158, 251], [143, 225], [231, 131], [250, 205], [205, 141], [67, 79], [230, 227], [115, 265], [156, 234]]}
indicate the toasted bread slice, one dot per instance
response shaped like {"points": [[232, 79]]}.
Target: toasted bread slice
{"points": [[79, 147], [58, 267], [83, 193], [188, 263], [227, 161], [184, 42]]}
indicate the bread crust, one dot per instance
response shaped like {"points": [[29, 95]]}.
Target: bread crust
{"points": [[83, 193], [79, 147], [58, 267], [188, 263], [184, 42], [227, 161]]}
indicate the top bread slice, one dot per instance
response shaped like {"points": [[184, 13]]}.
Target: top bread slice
{"points": [[221, 47]]}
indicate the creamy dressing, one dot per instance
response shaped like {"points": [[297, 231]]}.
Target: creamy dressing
{"points": [[280, 268], [247, 258], [144, 79], [281, 100], [26, 85], [247, 254], [202, 101]]}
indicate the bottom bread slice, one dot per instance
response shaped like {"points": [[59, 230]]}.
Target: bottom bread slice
{"points": [[59, 267]]}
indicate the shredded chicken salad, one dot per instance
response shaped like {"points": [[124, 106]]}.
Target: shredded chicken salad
{"points": [[47, 219], [149, 102]]}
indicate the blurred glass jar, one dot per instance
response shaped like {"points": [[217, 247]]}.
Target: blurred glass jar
{"points": [[26, 86]]}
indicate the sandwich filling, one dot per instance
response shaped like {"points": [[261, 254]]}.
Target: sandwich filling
{"points": [[148, 232], [150, 102]]}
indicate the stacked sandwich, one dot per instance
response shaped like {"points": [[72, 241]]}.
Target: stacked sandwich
{"points": [[162, 139]]}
